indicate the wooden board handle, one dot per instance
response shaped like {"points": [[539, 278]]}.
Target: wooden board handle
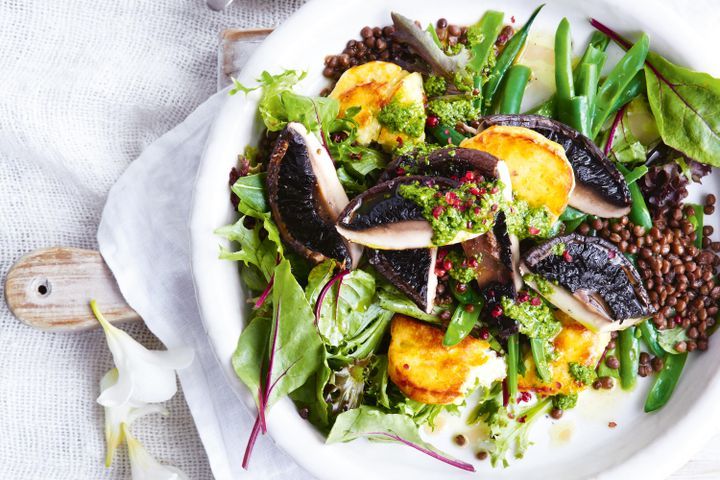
{"points": [[51, 289]]}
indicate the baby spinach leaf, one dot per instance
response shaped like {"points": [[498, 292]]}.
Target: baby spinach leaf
{"points": [[250, 189], [375, 425], [311, 396]]}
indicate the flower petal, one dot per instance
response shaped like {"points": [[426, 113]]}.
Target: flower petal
{"points": [[144, 466]]}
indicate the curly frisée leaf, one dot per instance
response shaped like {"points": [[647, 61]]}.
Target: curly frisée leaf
{"points": [[143, 375], [373, 424]]}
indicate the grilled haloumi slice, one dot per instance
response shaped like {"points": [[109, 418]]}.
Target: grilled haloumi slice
{"points": [[410, 91], [574, 344], [427, 371]]}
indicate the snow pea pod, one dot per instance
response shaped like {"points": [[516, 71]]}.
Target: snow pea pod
{"points": [[539, 354], [587, 83], [612, 88], [487, 29], [505, 60], [512, 357], [665, 382], [446, 135], [649, 336], [639, 213], [514, 89], [697, 220], [461, 322], [470, 295], [629, 356]]}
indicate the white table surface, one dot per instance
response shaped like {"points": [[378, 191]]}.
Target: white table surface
{"points": [[84, 87]]}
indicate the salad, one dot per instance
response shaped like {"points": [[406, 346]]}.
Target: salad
{"points": [[415, 245]]}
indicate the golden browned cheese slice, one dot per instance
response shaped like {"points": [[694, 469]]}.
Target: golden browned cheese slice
{"points": [[540, 172], [574, 344], [429, 372], [409, 91], [370, 87]]}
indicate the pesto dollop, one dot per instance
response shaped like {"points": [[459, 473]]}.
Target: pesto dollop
{"points": [[581, 373], [558, 249], [407, 118], [543, 285], [470, 208], [451, 111], [526, 221], [435, 86], [565, 402], [463, 268], [534, 317]]}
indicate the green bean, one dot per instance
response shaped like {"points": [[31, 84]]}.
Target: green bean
{"points": [[564, 90], [488, 28], [587, 84], [612, 88], [506, 58], [461, 322], [538, 348], [629, 356], [697, 220], [595, 51], [546, 109], [665, 382], [576, 114], [513, 89], [636, 174], [447, 135], [639, 213], [513, 357], [649, 336], [470, 295]]}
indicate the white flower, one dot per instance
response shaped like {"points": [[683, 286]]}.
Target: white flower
{"points": [[143, 375], [117, 416], [144, 466]]}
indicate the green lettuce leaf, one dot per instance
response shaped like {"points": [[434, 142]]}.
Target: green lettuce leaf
{"points": [[686, 106]]}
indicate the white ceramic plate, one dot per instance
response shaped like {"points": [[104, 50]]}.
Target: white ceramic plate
{"points": [[580, 445]]}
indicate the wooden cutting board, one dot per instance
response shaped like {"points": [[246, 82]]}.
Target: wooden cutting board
{"points": [[50, 289]]}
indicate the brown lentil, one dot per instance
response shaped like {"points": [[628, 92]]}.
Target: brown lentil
{"points": [[460, 440], [556, 413], [481, 455]]}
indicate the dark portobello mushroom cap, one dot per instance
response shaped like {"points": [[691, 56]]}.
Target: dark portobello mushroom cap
{"points": [[600, 189], [306, 197], [590, 280], [380, 218], [411, 271], [445, 162]]}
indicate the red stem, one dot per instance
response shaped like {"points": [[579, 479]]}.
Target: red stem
{"points": [[325, 290], [263, 296], [611, 136], [455, 463], [263, 398], [251, 443]]}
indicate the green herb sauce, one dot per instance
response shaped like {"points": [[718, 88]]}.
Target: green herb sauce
{"points": [[581, 373], [407, 118], [526, 221], [565, 402], [461, 271], [558, 249], [435, 86], [544, 286], [451, 111], [470, 208], [535, 318]]}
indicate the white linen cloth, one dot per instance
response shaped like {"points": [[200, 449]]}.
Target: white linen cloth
{"points": [[85, 87]]}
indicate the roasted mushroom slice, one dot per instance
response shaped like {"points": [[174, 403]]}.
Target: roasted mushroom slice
{"points": [[411, 271], [499, 256], [381, 218], [590, 280], [600, 188], [448, 162], [306, 197]]}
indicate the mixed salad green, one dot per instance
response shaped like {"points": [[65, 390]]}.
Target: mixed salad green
{"points": [[319, 329]]}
